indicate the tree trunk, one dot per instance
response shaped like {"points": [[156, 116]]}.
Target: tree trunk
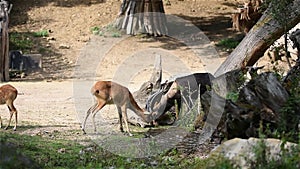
{"points": [[260, 37], [4, 40], [142, 16]]}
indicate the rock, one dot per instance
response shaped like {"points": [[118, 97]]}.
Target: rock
{"points": [[51, 39], [23, 75], [241, 151], [64, 46]]}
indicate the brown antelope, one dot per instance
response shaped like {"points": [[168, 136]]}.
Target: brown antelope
{"points": [[7, 96], [108, 92]]}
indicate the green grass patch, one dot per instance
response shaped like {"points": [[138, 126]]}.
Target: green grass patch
{"points": [[49, 153], [41, 33], [107, 31], [45, 152], [214, 162], [233, 96], [228, 43], [95, 30], [23, 151]]}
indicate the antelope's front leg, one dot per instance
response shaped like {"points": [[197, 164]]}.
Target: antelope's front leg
{"points": [[91, 109], [16, 120], [126, 120]]}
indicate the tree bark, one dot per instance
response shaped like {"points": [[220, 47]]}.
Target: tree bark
{"points": [[4, 43], [142, 16], [259, 39]]}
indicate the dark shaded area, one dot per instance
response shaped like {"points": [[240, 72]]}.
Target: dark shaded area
{"points": [[52, 61], [185, 31], [10, 157], [256, 109], [20, 62], [214, 27]]}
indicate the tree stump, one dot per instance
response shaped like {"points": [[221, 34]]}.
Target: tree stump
{"points": [[142, 17]]}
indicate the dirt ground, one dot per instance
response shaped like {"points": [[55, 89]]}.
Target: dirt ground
{"points": [[69, 23], [47, 106]]}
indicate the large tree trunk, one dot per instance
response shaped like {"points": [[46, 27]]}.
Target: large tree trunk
{"points": [[260, 37], [4, 42], [142, 16]]}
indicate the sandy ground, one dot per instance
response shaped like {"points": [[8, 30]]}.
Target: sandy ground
{"points": [[44, 107]]}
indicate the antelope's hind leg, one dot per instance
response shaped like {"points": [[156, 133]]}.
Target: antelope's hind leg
{"points": [[126, 120], [93, 109], [12, 111], [99, 106]]}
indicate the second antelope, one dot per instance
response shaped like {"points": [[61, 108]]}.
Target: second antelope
{"points": [[7, 96], [108, 92]]}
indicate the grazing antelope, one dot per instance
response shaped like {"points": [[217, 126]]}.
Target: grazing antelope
{"points": [[7, 96], [108, 92]]}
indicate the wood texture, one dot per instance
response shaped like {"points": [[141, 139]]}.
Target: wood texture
{"points": [[143, 16]]}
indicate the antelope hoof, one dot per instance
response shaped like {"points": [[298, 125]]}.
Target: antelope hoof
{"points": [[130, 134], [83, 131]]}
